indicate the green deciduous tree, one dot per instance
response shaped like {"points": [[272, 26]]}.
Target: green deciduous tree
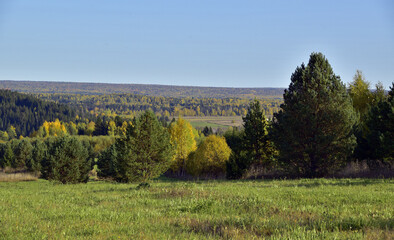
{"points": [[376, 140], [313, 131]]}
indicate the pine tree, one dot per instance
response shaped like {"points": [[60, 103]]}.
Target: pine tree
{"points": [[107, 162], [22, 153], [67, 160], [255, 139], [100, 127], [39, 151], [144, 153], [313, 131]]}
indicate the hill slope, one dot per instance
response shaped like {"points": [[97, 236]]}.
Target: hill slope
{"points": [[144, 89], [27, 113]]}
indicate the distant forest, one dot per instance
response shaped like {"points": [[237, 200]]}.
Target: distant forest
{"points": [[142, 89], [26, 113], [135, 104]]}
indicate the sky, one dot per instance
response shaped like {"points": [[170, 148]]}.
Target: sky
{"points": [[221, 43]]}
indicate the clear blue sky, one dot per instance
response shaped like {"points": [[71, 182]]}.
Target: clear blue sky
{"points": [[249, 43]]}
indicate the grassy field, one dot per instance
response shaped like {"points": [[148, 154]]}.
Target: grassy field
{"points": [[215, 122], [288, 209]]}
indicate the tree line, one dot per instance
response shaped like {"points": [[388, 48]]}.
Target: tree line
{"points": [[136, 104], [321, 126]]}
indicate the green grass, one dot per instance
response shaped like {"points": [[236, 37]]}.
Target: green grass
{"points": [[288, 209]]}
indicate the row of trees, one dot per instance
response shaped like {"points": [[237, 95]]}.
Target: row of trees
{"points": [[321, 126], [147, 150], [150, 149], [315, 133], [102, 126], [64, 159]]}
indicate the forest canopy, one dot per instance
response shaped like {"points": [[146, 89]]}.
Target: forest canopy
{"points": [[26, 113]]}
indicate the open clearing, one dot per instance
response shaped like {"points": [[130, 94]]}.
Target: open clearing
{"points": [[276, 209], [215, 122]]}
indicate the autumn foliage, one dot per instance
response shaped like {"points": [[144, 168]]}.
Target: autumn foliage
{"points": [[210, 157]]}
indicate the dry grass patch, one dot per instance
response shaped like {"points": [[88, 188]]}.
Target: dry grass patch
{"points": [[17, 177]]}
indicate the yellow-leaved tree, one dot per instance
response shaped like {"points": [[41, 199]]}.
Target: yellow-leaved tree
{"points": [[183, 139], [210, 157], [55, 128]]}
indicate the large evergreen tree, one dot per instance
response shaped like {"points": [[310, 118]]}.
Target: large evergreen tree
{"points": [[255, 140], [313, 131], [254, 146]]}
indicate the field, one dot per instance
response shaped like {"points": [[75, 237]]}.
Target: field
{"points": [[275, 209], [215, 122]]}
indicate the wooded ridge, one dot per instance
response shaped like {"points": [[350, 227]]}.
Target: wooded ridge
{"points": [[144, 89]]}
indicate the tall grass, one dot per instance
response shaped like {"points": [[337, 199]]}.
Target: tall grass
{"points": [[271, 209]]}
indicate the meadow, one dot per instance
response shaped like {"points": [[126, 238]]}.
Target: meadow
{"points": [[247, 209], [215, 122]]}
